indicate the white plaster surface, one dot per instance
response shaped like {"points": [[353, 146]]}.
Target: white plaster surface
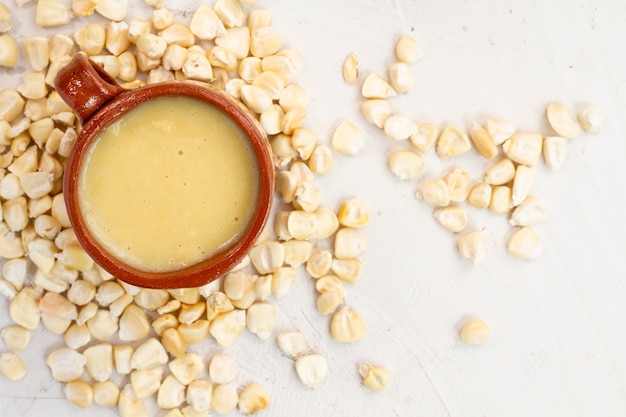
{"points": [[558, 323]]}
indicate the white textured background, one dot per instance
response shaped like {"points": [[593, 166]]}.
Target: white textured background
{"points": [[558, 323]]}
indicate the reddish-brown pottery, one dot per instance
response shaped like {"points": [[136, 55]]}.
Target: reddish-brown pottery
{"points": [[98, 101]]}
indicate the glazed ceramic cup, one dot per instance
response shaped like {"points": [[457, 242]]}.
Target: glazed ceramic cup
{"points": [[99, 101]]}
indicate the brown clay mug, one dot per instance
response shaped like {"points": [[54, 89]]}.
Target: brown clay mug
{"points": [[101, 103]]}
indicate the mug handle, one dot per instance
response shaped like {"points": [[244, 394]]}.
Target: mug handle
{"points": [[85, 87]]}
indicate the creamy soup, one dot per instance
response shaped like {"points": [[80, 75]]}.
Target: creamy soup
{"points": [[170, 183]]}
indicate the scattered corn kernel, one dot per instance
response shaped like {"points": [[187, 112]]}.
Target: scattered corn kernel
{"points": [[475, 332], [561, 121], [311, 369], [524, 243], [375, 378]]}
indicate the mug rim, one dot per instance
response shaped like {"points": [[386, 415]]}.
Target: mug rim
{"points": [[208, 269]]}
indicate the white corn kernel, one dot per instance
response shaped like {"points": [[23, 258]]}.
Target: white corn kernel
{"points": [[129, 405], [178, 34], [189, 313], [103, 325], [480, 195], [174, 57], [304, 141], [171, 393], [15, 271], [425, 136], [78, 393], [258, 18], [197, 66], [482, 141], [398, 127], [591, 119], [500, 173], [452, 142], [297, 252], [229, 12], [87, 312], [185, 295], [292, 119], [375, 86], [81, 292], [347, 138], [472, 246], [122, 355], [255, 98], [6, 21], [11, 104], [406, 164], [186, 367], [301, 224], [57, 305], [137, 28], [117, 40], [113, 9], [328, 223], [24, 308], [523, 148], [434, 192], [349, 243], [554, 151], [217, 303], [319, 263], [195, 332], [329, 283], [162, 18], [264, 41], [109, 63], [524, 243], [376, 111], [271, 118], [198, 395], [321, 160], [51, 13], [346, 325], [105, 393], [267, 257], [452, 218], [282, 281], [60, 46], [294, 96], [401, 77], [221, 57], [311, 369], [499, 130], [224, 398], [91, 38], [291, 343], [561, 121], [353, 213], [223, 369], [76, 336], [500, 199], [151, 45], [475, 332], [260, 319], [15, 337], [348, 270], [408, 50], [148, 355], [524, 177], [375, 378], [458, 184], [205, 24], [66, 364], [146, 382], [128, 66], [55, 325], [173, 342], [237, 40], [151, 299], [99, 361], [133, 324], [529, 213], [37, 50], [227, 327], [328, 302], [350, 69], [253, 399]]}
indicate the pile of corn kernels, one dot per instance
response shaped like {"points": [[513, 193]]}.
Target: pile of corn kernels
{"points": [[106, 324]]}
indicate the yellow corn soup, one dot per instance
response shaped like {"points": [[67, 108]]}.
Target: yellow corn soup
{"points": [[168, 184]]}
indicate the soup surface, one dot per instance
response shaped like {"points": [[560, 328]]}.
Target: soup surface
{"points": [[167, 185]]}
